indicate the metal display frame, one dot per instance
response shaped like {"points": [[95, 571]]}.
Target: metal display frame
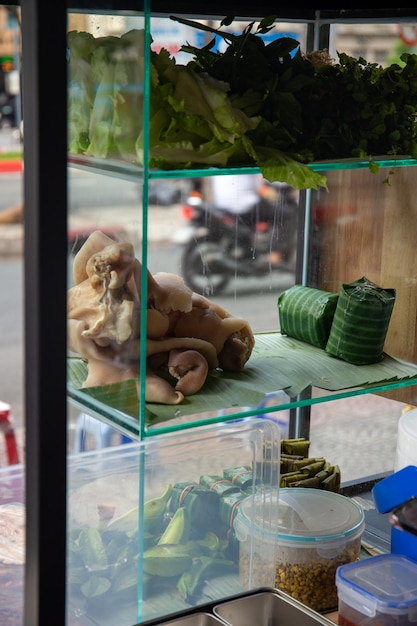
{"points": [[45, 264]]}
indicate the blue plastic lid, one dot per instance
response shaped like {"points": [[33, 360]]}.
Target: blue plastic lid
{"points": [[395, 489], [386, 583]]}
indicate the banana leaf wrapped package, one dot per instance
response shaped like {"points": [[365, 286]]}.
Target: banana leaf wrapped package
{"points": [[307, 314], [361, 321], [201, 503]]}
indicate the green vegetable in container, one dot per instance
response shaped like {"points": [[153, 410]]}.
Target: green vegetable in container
{"points": [[202, 569], [81, 90], [166, 560]]}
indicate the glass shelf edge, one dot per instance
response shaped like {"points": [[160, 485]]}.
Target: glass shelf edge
{"points": [[130, 171], [351, 164], [130, 426], [112, 417]]}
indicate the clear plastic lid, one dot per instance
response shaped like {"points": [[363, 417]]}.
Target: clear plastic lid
{"points": [[386, 583], [306, 515], [313, 514]]}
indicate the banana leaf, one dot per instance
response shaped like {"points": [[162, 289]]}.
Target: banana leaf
{"points": [[277, 363]]}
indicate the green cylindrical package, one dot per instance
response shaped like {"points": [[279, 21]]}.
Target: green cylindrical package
{"points": [[228, 507], [241, 477], [361, 321], [219, 485], [202, 505], [307, 314]]}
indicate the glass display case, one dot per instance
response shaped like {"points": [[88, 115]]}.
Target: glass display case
{"points": [[105, 315]]}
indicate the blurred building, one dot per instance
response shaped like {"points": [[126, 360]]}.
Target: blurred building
{"points": [[377, 43], [10, 114]]}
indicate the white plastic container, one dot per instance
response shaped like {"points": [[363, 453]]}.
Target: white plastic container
{"points": [[407, 440]]}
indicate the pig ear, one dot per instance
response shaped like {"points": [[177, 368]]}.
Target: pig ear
{"points": [[96, 242], [112, 266], [159, 390], [190, 368], [102, 301], [168, 292]]}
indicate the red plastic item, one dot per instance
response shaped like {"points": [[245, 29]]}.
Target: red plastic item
{"points": [[7, 428]]}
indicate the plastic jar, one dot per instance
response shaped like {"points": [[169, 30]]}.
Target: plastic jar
{"points": [[314, 533]]}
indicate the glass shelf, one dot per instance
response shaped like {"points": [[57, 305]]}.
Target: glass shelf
{"points": [[130, 171], [253, 392], [229, 397]]}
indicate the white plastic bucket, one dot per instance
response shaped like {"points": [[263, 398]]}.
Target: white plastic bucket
{"points": [[406, 440]]}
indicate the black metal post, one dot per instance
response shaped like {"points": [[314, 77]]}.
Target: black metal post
{"points": [[44, 88]]}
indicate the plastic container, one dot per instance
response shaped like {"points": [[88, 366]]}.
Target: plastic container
{"points": [[395, 489], [299, 549], [105, 487], [378, 591], [389, 493], [406, 453]]}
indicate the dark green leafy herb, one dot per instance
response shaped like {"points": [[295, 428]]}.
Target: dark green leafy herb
{"points": [[313, 108]]}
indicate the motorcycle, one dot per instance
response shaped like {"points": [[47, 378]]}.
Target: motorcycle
{"points": [[219, 245]]}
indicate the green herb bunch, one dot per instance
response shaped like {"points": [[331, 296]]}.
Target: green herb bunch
{"points": [[255, 104], [314, 108]]}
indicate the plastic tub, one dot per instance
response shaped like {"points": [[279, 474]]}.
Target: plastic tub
{"points": [[313, 534], [389, 493], [378, 591], [407, 440]]}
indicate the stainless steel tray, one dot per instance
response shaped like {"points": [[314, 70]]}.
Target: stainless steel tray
{"points": [[260, 607]]}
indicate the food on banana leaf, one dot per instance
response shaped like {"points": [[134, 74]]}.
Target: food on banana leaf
{"points": [[187, 334], [306, 314], [360, 323], [298, 446], [297, 469]]}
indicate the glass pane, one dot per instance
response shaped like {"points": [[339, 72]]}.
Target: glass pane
{"points": [[106, 224], [232, 238], [191, 561], [238, 263], [364, 227]]}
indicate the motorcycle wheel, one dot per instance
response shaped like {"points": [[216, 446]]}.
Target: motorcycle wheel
{"points": [[203, 269]]}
